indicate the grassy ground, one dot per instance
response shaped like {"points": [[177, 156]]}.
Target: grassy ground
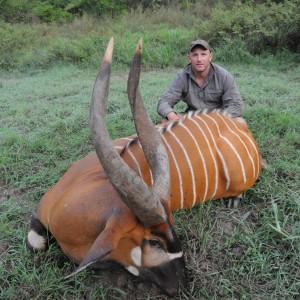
{"points": [[248, 253]]}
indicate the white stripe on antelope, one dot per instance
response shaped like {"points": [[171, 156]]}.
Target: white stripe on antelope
{"points": [[211, 156], [116, 204]]}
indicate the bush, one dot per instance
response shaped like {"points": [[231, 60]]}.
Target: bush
{"points": [[55, 10], [268, 26], [16, 10], [48, 12]]}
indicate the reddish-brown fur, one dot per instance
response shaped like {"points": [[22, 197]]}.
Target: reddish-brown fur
{"points": [[210, 156], [86, 189]]}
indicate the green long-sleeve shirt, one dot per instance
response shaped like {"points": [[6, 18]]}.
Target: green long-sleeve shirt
{"points": [[218, 92]]}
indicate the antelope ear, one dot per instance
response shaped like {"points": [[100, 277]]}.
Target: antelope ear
{"points": [[102, 246]]}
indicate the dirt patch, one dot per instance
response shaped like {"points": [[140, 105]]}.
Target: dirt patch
{"points": [[112, 275], [7, 193], [3, 193], [3, 248]]}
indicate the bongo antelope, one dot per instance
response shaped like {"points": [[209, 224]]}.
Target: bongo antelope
{"points": [[116, 204]]}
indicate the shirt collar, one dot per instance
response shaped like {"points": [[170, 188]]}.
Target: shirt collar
{"points": [[189, 71]]}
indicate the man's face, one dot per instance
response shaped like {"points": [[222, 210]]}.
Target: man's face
{"points": [[200, 59]]}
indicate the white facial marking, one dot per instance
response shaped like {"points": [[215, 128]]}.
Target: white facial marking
{"points": [[136, 255], [133, 270], [175, 255], [158, 257], [36, 241]]}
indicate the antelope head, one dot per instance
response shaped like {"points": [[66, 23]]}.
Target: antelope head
{"points": [[158, 257]]}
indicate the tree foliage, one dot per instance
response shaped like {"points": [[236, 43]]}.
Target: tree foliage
{"points": [[66, 10], [58, 10], [259, 27]]}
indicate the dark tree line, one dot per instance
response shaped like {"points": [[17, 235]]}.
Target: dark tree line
{"points": [[65, 10]]}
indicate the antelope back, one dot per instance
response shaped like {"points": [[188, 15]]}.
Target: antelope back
{"points": [[211, 156]]}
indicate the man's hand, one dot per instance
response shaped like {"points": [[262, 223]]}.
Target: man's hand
{"points": [[172, 116]]}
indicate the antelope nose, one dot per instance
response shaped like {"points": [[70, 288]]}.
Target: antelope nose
{"points": [[171, 292]]}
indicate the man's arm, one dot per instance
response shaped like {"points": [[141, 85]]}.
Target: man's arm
{"points": [[170, 98], [232, 100]]}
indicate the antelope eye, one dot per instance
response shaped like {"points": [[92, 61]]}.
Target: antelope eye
{"points": [[154, 243]]}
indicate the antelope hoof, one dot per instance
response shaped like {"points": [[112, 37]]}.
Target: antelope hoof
{"points": [[233, 202], [37, 238]]}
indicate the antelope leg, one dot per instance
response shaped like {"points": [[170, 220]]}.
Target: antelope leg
{"points": [[233, 202]]}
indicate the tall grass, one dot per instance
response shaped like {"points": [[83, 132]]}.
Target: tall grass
{"points": [[80, 42], [248, 253]]}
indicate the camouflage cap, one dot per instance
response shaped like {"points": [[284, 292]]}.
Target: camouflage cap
{"points": [[202, 43]]}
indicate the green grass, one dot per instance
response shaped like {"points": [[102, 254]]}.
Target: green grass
{"points": [[248, 253]]}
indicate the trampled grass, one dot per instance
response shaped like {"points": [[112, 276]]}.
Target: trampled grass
{"points": [[248, 253]]}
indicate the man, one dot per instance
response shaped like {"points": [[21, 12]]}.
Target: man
{"points": [[202, 84]]}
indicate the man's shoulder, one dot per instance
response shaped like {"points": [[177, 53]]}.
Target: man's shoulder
{"points": [[187, 70]]}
